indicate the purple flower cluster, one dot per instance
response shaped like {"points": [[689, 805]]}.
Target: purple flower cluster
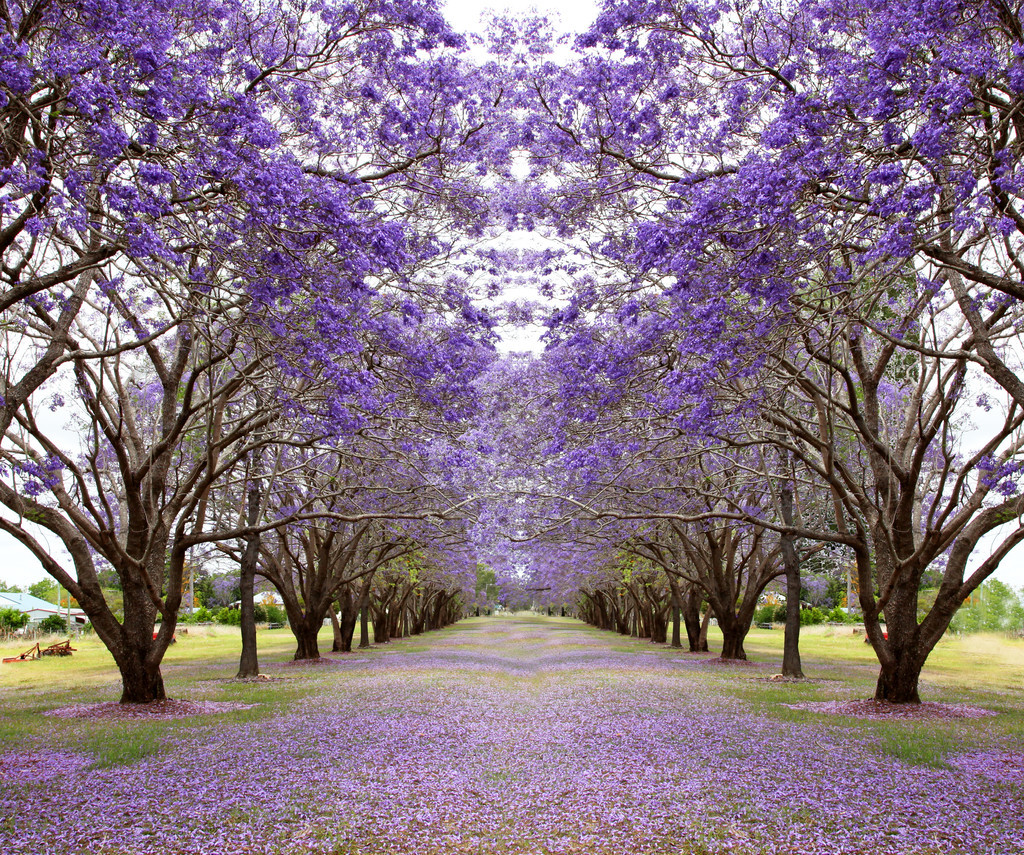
{"points": [[509, 738]]}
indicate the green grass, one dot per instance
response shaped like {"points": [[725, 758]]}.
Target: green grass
{"points": [[125, 746], [197, 667], [919, 743]]}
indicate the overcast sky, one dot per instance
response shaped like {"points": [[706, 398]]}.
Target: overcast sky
{"points": [[569, 15]]}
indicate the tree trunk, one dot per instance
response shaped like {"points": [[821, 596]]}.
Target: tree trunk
{"points": [[732, 645], [437, 621], [659, 626], [364, 627], [306, 643], [248, 661], [132, 646], [349, 615], [696, 630], [898, 679], [421, 619], [702, 636], [791, 666], [380, 628], [898, 685], [139, 684], [337, 645], [734, 631]]}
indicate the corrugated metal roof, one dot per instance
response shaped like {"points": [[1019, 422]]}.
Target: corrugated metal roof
{"points": [[28, 603], [25, 602]]}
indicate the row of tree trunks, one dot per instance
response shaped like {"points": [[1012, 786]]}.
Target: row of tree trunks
{"points": [[636, 616]]}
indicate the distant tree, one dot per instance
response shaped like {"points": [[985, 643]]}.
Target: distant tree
{"points": [[44, 589], [54, 624], [487, 590], [12, 619], [993, 607]]}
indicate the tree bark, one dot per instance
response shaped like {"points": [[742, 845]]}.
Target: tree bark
{"points": [[364, 627], [696, 629], [364, 617], [791, 665], [380, 628], [734, 629], [139, 684], [305, 637], [248, 661], [347, 622], [337, 645], [898, 685], [732, 644], [659, 626], [702, 636]]}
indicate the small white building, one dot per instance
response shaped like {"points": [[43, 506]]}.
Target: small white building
{"points": [[37, 609]]}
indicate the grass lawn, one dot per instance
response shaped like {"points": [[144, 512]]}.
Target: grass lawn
{"points": [[514, 735]]}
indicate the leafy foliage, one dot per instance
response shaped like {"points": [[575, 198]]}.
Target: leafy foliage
{"points": [[12, 619]]}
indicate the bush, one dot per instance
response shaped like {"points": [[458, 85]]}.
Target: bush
{"points": [[765, 614], [233, 617], [11, 619], [780, 613], [54, 624], [840, 615], [811, 616], [200, 615]]}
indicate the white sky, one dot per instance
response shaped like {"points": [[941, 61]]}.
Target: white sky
{"points": [[568, 15]]}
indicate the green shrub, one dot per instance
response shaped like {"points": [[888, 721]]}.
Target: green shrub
{"points": [[55, 624], [994, 607], [780, 613], [275, 614], [11, 619], [200, 615], [811, 616], [230, 617], [765, 614], [840, 615]]}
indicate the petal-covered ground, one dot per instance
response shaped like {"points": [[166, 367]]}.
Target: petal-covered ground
{"points": [[509, 737]]}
